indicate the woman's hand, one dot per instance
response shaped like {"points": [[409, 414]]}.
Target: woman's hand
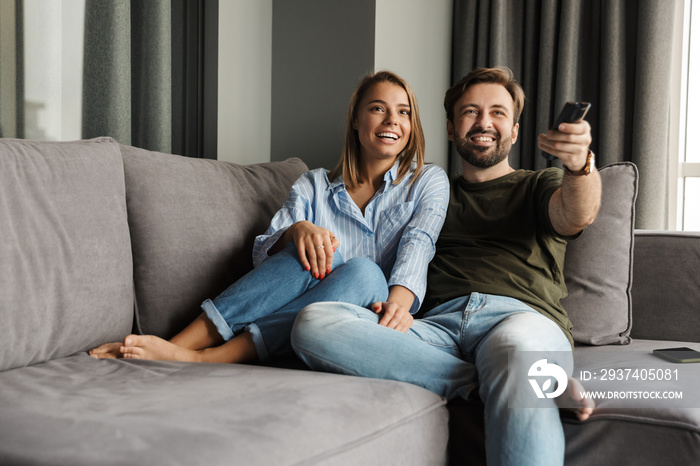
{"points": [[315, 246], [396, 309], [395, 316]]}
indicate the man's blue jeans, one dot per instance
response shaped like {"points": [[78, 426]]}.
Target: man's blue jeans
{"points": [[266, 300], [457, 347]]}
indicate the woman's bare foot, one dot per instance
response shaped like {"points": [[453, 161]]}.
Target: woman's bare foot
{"points": [[236, 350], [155, 348], [107, 351], [573, 400]]}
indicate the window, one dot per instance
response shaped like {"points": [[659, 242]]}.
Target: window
{"points": [[57, 82], [53, 69], [687, 174]]}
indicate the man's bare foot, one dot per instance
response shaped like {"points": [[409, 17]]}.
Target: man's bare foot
{"points": [[154, 348], [573, 400], [107, 351]]}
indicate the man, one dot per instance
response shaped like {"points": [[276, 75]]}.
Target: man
{"points": [[496, 281]]}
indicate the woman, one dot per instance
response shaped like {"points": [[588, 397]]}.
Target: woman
{"points": [[380, 202]]}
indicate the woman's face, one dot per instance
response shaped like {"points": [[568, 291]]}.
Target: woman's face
{"points": [[383, 122]]}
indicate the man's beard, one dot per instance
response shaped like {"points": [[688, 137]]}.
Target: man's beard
{"points": [[476, 155]]}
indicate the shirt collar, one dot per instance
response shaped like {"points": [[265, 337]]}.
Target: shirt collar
{"points": [[389, 177], [392, 174], [337, 184]]}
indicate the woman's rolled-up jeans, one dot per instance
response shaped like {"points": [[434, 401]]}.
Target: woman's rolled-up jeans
{"points": [[266, 300]]}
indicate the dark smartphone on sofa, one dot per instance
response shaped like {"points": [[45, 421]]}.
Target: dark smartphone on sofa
{"points": [[571, 113], [682, 354]]}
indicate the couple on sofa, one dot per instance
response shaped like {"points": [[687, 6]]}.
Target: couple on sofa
{"points": [[344, 265]]}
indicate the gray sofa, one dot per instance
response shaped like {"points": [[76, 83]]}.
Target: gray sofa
{"points": [[666, 293], [101, 239]]}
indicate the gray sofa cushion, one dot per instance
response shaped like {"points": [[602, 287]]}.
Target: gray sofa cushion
{"points": [[155, 413], [652, 431], [65, 259], [192, 224], [675, 256], [598, 267]]}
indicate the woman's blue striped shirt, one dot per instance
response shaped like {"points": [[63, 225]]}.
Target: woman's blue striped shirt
{"points": [[398, 230]]}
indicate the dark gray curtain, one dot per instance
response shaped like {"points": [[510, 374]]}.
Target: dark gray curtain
{"points": [[127, 78], [11, 69], [615, 54]]}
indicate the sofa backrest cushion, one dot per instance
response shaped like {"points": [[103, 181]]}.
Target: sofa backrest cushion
{"points": [[66, 282], [598, 265], [192, 223], [666, 289]]}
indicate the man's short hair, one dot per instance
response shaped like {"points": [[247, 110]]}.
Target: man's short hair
{"points": [[498, 75]]}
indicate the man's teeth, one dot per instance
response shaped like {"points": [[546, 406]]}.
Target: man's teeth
{"points": [[483, 139], [388, 135]]}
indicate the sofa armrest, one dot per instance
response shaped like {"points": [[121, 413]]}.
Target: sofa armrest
{"points": [[666, 286]]}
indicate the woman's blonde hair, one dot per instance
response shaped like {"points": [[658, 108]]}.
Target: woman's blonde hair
{"points": [[349, 164]]}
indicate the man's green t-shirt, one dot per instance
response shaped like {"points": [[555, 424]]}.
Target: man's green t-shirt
{"points": [[498, 239]]}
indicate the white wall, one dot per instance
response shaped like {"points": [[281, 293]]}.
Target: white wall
{"points": [[245, 77], [414, 39]]}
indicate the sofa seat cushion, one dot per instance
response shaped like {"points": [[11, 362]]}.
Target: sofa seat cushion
{"points": [[81, 411], [654, 431]]}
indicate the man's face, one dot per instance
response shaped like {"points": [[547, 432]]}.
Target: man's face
{"points": [[483, 129]]}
